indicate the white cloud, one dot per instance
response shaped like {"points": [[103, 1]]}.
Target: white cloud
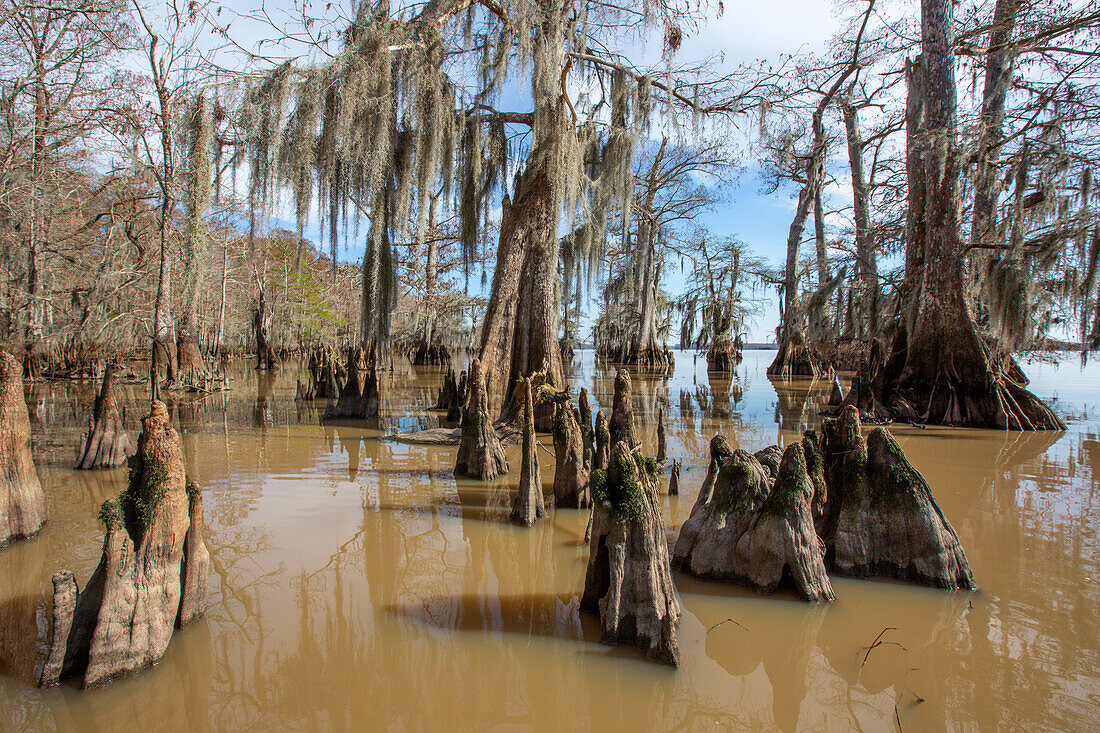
{"points": [[749, 30]]}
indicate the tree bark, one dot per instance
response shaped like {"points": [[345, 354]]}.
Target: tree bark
{"points": [[881, 517], [662, 445], [757, 528], [219, 334], [480, 454], [866, 263], [520, 332], [987, 179], [164, 352], [621, 424], [628, 582], [22, 503], [644, 349], [570, 473], [820, 243], [950, 375], [915, 144], [107, 443], [794, 358], [189, 356], [998, 77], [36, 351], [529, 505], [152, 574], [265, 354], [783, 363]]}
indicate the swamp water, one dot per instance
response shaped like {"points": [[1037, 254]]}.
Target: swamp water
{"points": [[357, 586]]}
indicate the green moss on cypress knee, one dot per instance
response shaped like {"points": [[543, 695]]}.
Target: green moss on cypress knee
{"points": [[735, 487], [585, 420], [894, 478], [110, 514], [561, 425], [598, 484], [791, 486], [624, 490], [143, 494]]}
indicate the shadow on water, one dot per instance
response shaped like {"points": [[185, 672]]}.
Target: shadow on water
{"points": [[536, 614]]}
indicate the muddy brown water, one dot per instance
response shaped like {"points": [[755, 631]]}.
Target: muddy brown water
{"points": [[357, 586]]}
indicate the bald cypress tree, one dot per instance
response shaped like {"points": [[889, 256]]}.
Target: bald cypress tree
{"points": [[952, 376], [397, 115]]}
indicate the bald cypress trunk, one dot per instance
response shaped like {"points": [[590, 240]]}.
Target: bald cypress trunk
{"points": [[793, 357], [984, 229], [265, 354], [520, 332], [951, 376], [914, 170], [998, 77], [644, 348], [866, 264], [22, 503], [820, 243], [189, 357], [164, 352]]}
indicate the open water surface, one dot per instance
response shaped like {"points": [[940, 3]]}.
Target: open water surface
{"points": [[356, 585]]}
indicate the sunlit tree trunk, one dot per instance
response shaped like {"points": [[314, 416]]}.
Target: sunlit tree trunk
{"points": [[520, 332], [866, 263], [950, 375], [219, 335], [646, 349], [998, 77], [164, 352], [820, 243], [36, 301], [792, 357], [987, 180], [915, 143], [191, 363]]}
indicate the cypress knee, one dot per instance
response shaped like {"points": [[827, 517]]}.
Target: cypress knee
{"points": [[151, 575], [674, 480], [661, 443], [358, 397], [570, 475], [529, 505], [480, 454], [107, 443], [629, 582], [585, 419], [22, 503], [881, 517], [621, 424], [756, 532], [602, 451]]}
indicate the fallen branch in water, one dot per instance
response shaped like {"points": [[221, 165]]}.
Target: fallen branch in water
{"points": [[727, 621], [917, 699], [879, 642]]}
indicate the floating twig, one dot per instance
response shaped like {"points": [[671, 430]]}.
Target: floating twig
{"points": [[879, 642], [727, 621]]}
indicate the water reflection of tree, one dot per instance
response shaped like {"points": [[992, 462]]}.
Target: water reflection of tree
{"points": [[797, 404], [740, 652], [1035, 524]]}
